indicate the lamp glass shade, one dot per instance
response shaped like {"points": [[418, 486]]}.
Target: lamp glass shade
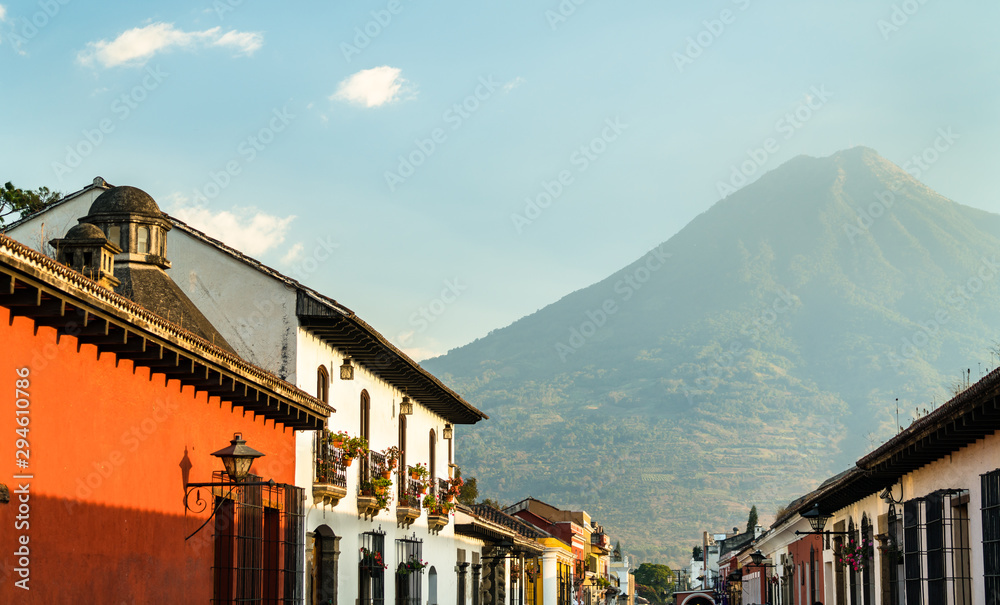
{"points": [[237, 458], [405, 406], [817, 520], [347, 370], [757, 557], [449, 432]]}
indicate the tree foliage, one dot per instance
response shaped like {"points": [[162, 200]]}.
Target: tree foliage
{"points": [[469, 492], [696, 553], [752, 518], [655, 582], [23, 201]]}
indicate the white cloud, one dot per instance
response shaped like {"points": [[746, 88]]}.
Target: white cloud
{"points": [[371, 87], [3, 13], [245, 229], [245, 42], [138, 45], [293, 255], [509, 86]]}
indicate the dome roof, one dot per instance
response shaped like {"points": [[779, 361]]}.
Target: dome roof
{"points": [[125, 200], [85, 231]]}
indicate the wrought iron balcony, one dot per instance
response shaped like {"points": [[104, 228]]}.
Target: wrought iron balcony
{"points": [[329, 472]]}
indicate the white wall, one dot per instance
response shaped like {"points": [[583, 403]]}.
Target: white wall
{"points": [[440, 550], [55, 222]]}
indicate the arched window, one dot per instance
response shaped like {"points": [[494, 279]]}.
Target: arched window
{"points": [[366, 423], [432, 462], [142, 240], [402, 454], [432, 586], [852, 574], [323, 384], [867, 587]]}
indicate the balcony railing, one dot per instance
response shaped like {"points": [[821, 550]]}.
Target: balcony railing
{"points": [[329, 471]]}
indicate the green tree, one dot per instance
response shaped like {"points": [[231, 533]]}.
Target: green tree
{"points": [[752, 518], [696, 553], [23, 201], [655, 582], [469, 492]]}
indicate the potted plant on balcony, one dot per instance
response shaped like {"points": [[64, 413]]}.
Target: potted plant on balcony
{"points": [[429, 502], [392, 456], [380, 489], [418, 471], [354, 447], [454, 488], [336, 439]]}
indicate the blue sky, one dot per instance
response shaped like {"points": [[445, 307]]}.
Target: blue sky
{"points": [[410, 135]]}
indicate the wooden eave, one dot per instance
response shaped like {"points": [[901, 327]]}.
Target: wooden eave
{"points": [[36, 287], [342, 329]]}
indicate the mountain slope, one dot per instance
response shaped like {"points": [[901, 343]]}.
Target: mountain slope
{"points": [[754, 353]]}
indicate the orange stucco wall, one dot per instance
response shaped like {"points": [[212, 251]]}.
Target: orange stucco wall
{"points": [[110, 451], [800, 556]]}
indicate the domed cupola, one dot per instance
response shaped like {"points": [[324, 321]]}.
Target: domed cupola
{"points": [[87, 250], [131, 220]]}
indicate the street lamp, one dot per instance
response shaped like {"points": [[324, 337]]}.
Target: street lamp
{"points": [[237, 460], [817, 520]]}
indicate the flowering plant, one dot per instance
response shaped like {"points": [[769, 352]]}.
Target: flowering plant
{"points": [[372, 558], [413, 565], [855, 554]]}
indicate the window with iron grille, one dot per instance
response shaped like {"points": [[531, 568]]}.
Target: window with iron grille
{"points": [[867, 540], [852, 574], [532, 581], [409, 570], [516, 588], [990, 484], [936, 549], [892, 557], [371, 569], [259, 542], [913, 550], [565, 575]]}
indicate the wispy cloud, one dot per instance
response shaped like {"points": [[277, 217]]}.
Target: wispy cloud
{"points": [[372, 87], [3, 13], [509, 86], [138, 45], [294, 254], [246, 229]]}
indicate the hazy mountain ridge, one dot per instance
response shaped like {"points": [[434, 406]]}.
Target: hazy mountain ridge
{"points": [[749, 364]]}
